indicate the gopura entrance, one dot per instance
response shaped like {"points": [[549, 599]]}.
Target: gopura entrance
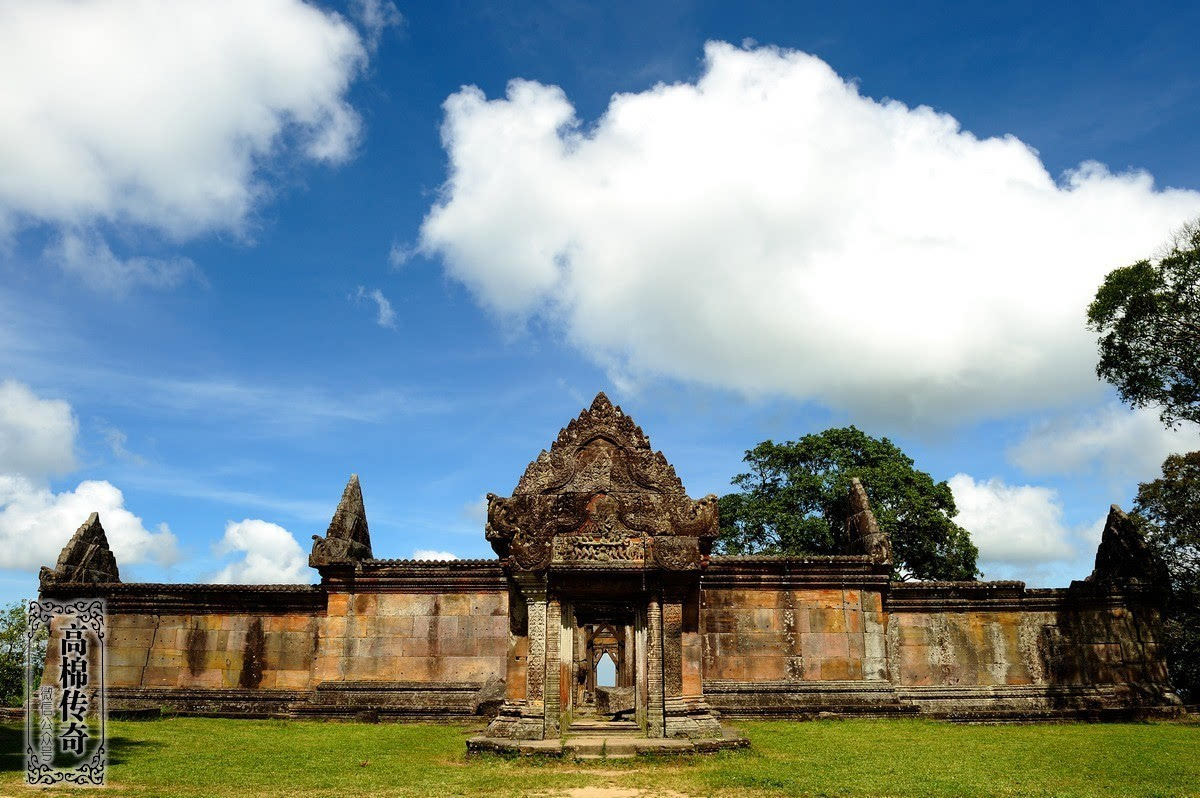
{"points": [[603, 550]]}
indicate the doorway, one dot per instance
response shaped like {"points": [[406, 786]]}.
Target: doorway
{"points": [[604, 658]]}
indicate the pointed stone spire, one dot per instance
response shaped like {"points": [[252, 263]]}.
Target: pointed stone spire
{"points": [[86, 558], [1124, 556], [348, 538], [863, 535]]}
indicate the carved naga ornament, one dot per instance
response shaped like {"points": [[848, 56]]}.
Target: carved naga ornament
{"points": [[601, 498], [348, 539]]}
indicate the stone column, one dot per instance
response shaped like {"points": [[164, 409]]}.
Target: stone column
{"points": [[535, 679], [672, 649], [654, 668], [523, 714], [641, 667], [685, 713], [553, 671]]}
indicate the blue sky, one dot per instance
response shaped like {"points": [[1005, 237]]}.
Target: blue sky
{"points": [[243, 255]]}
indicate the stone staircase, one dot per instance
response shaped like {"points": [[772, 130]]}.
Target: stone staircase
{"points": [[599, 737], [591, 726]]}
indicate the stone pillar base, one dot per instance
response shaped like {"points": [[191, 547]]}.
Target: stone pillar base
{"points": [[517, 720], [691, 717]]}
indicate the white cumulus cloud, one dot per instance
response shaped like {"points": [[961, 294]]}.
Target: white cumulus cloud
{"points": [[35, 523], [269, 555], [1011, 524], [771, 230], [166, 115], [1114, 440], [433, 554], [37, 440], [37, 436]]}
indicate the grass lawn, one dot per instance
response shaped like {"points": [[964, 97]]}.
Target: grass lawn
{"points": [[207, 757]]}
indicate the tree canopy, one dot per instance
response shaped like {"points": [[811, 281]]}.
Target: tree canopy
{"points": [[1148, 318], [12, 654], [794, 500], [1169, 509]]}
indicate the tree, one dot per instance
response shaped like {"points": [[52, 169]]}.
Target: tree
{"points": [[12, 654], [794, 501], [1148, 319], [1169, 509]]}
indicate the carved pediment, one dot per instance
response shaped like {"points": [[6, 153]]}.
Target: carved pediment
{"points": [[600, 451], [601, 495]]}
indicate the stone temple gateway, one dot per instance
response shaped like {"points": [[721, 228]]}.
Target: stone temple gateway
{"points": [[603, 555]]}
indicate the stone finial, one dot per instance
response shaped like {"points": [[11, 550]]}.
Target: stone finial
{"points": [[348, 538], [1124, 556], [86, 558], [863, 535]]}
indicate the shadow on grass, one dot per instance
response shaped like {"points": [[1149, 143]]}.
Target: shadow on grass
{"points": [[12, 748]]}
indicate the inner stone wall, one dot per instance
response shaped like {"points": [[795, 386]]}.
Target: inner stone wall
{"points": [[771, 637], [212, 650], [755, 634], [417, 637]]}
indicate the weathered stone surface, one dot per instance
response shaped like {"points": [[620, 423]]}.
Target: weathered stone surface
{"points": [[86, 558], [347, 539], [614, 700], [863, 535], [601, 496], [1124, 556], [603, 554]]}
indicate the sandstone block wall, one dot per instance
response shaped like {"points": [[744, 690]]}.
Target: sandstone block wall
{"points": [[414, 637], [760, 637], [766, 634], [218, 650]]}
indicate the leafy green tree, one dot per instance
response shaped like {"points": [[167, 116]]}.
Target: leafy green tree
{"points": [[12, 654], [794, 500], [1169, 508], [1148, 319]]}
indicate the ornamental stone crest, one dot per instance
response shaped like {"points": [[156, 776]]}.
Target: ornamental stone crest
{"points": [[86, 558], [601, 498]]}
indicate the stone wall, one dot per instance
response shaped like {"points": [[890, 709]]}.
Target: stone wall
{"points": [[800, 635], [415, 637], [780, 640], [423, 640], [769, 637]]}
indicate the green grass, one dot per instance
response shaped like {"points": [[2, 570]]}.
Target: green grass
{"points": [[205, 757]]}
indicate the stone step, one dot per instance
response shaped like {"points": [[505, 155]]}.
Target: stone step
{"points": [[591, 747], [596, 728]]}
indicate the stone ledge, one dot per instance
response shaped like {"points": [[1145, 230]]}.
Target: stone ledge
{"points": [[762, 571], [607, 747], [148, 598]]}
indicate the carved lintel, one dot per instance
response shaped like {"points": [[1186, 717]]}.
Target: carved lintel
{"points": [[677, 553]]}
